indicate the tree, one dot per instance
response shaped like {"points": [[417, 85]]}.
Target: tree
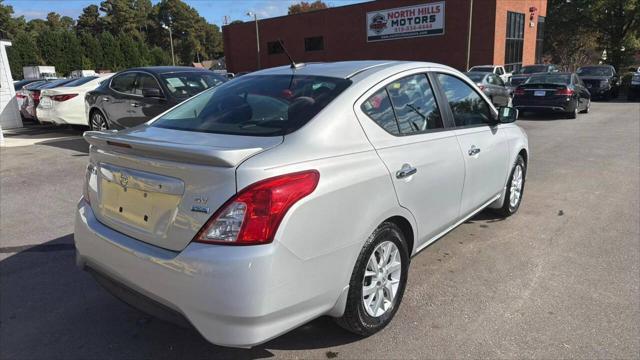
{"points": [[89, 20], [112, 57], [618, 22], [23, 52], [304, 6]]}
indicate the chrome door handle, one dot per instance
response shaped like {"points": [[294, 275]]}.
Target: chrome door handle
{"points": [[105, 99], [406, 171], [474, 150]]}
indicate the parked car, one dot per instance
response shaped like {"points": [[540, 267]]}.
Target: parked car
{"points": [[601, 80], [292, 193], [561, 92], [492, 86], [32, 96], [134, 96], [494, 69], [21, 88], [65, 104], [526, 71], [634, 87]]}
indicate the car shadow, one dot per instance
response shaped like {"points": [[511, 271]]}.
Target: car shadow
{"points": [[51, 309], [541, 116], [79, 144]]}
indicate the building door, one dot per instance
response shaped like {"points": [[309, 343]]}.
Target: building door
{"points": [[515, 41]]}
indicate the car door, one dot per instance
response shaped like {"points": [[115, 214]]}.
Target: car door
{"points": [[483, 144], [403, 122], [144, 108], [117, 103]]}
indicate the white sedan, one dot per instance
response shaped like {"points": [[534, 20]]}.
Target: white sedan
{"points": [[65, 105], [294, 192]]}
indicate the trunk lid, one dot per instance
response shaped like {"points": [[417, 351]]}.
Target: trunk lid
{"points": [[160, 185], [540, 91]]}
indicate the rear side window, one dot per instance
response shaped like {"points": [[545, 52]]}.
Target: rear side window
{"points": [[468, 107], [414, 104], [124, 83], [499, 71], [404, 107], [263, 105]]}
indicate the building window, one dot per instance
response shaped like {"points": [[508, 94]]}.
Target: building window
{"points": [[515, 41], [314, 43], [274, 47], [540, 39]]}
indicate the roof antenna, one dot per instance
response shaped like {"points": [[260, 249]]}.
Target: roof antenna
{"points": [[293, 63]]}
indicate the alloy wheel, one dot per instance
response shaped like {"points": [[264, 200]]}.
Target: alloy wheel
{"points": [[516, 186], [98, 122], [381, 279]]}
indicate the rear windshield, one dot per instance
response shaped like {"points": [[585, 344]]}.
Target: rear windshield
{"points": [[80, 81], [532, 69], [595, 71], [252, 105], [56, 83], [186, 84], [482, 69], [564, 79], [476, 76]]}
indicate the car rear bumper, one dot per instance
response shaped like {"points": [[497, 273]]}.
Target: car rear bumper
{"points": [[233, 295], [561, 104]]}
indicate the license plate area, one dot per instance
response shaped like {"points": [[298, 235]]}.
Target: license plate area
{"points": [[45, 102], [137, 201], [539, 93]]}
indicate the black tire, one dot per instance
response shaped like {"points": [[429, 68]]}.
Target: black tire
{"points": [[355, 318], [586, 110], [95, 119], [507, 209], [573, 114]]}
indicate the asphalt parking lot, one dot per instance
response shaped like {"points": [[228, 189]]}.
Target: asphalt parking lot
{"points": [[561, 279]]}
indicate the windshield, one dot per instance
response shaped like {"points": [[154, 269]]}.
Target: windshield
{"points": [[256, 105], [559, 79], [482, 69], [595, 71], [532, 69], [186, 84], [80, 81], [476, 76]]}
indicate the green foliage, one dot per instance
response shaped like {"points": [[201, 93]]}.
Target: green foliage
{"points": [[113, 35], [578, 31], [305, 6]]}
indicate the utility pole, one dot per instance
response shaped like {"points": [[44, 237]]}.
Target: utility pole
{"points": [[173, 58], [469, 34], [255, 19]]}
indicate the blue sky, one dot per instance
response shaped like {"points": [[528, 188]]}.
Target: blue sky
{"points": [[213, 10]]}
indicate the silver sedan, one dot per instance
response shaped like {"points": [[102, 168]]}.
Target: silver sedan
{"points": [[292, 193]]}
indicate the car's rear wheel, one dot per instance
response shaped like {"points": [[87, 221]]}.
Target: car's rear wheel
{"points": [[377, 282], [98, 122], [515, 188], [573, 114], [586, 109]]}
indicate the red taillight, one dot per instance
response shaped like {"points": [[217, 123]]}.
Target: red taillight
{"points": [[20, 96], [565, 92], [252, 216], [519, 91], [64, 97]]}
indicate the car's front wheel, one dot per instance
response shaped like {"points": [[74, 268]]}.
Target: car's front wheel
{"points": [[377, 282], [515, 188], [98, 122]]}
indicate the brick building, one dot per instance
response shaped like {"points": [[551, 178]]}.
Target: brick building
{"points": [[505, 32]]}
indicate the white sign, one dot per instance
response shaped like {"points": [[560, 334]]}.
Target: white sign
{"points": [[406, 22]]}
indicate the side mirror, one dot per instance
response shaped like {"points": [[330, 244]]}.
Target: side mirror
{"points": [[151, 93], [507, 115]]}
